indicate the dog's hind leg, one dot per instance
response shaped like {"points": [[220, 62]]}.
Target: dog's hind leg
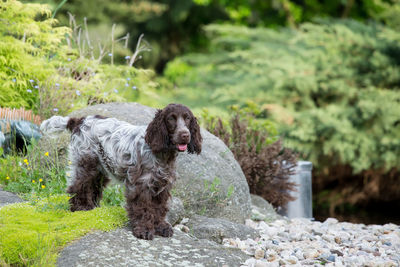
{"points": [[87, 184], [98, 187]]}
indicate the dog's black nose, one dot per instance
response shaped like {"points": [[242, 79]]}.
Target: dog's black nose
{"points": [[184, 135]]}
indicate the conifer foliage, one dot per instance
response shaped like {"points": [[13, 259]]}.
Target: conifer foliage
{"points": [[332, 86]]}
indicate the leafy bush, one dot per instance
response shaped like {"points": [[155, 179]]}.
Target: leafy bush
{"points": [[292, 12], [385, 11], [265, 163], [46, 72], [28, 49], [332, 86]]}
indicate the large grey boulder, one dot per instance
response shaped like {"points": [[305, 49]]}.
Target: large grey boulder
{"points": [[210, 184], [121, 248]]}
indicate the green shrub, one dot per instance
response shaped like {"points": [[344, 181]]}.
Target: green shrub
{"points": [[43, 67], [332, 86], [28, 48]]}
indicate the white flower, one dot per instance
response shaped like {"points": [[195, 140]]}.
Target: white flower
{"points": [[29, 91], [78, 92]]}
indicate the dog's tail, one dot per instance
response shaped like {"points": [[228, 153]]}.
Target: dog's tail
{"points": [[54, 125]]}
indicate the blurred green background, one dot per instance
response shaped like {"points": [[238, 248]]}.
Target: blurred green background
{"points": [[325, 74]]}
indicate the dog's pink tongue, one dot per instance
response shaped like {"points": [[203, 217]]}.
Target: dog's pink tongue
{"points": [[182, 147]]}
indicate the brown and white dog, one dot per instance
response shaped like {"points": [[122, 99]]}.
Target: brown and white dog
{"points": [[141, 157]]}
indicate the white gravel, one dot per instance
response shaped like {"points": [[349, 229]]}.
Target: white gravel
{"points": [[302, 242]]}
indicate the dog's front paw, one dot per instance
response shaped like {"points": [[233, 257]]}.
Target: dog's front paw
{"points": [[143, 233], [164, 229]]}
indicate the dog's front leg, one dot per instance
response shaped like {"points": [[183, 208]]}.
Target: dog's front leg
{"points": [[162, 227], [139, 207], [160, 188]]}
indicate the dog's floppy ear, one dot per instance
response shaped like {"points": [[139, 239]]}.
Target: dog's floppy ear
{"points": [[156, 133], [195, 137]]}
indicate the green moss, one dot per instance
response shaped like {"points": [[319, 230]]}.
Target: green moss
{"points": [[33, 233]]}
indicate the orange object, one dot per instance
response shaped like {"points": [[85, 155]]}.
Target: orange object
{"points": [[8, 114]]}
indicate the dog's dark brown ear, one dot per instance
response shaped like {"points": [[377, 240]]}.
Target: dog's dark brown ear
{"points": [[195, 137], [156, 133]]}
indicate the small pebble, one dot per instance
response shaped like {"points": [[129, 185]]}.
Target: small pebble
{"points": [[259, 254], [292, 259], [311, 254], [182, 227], [331, 258]]}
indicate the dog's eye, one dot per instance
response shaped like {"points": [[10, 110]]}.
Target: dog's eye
{"points": [[171, 118]]}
